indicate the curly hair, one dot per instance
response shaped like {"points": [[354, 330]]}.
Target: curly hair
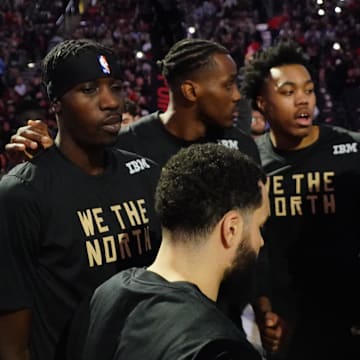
{"points": [[256, 71], [201, 183], [187, 56]]}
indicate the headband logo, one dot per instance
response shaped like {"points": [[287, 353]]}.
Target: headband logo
{"points": [[105, 68]]}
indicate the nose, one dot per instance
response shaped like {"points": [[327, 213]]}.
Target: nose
{"points": [[108, 99], [236, 94], [302, 98]]}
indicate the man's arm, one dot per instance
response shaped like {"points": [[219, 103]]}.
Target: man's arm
{"points": [[27, 140], [14, 335]]}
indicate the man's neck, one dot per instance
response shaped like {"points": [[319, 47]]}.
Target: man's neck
{"points": [[180, 265], [91, 161], [183, 124], [285, 142]]}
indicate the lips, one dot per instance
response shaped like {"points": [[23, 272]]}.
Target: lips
{"points": [[303, 118], [112, 123]]}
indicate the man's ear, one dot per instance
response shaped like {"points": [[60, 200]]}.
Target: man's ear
{"points": [[231, 229], [189, 89], [260, 102]]}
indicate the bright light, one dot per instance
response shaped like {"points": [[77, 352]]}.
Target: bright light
{"points": [[321, 12], [139, 54], [338, 10], [336, 46], [31, 65], [319, 2], [191, 30]]}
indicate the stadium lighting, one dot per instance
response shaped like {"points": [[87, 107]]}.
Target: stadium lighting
{"points": [[139, 55], [191, 30], [319, 2], [321, 12], [338, 10], [336, 46]]}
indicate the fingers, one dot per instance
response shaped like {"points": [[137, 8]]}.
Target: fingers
{"points": [[31, 135], [16, 152], [28, 138], [36, 131], [271, 332]]}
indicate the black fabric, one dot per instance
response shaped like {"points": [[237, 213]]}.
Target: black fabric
{"points": [[139, 315], [149, 137], [64, 232], [313, 242], [86, 66]]}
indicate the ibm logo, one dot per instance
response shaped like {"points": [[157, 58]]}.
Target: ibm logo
{"points": [[229, 143], [137, 165], [345, 148]]}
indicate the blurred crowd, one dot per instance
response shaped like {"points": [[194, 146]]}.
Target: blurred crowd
{"points": [[141, 31]]}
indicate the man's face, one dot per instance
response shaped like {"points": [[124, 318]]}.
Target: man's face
{"points": [[288, 101], [91, 113], [218, 92]]}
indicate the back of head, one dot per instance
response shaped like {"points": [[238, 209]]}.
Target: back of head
{"points": [[72, 62], [201, 183], [187, 56], [258, 69]]}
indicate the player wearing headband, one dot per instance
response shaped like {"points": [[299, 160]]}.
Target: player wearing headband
{"points": [[78, 213]]}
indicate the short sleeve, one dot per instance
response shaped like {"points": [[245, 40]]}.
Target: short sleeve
{"points": [[19, 229]]}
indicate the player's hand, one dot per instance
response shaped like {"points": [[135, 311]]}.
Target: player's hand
{"points": [[271, 329], [28, 140]]}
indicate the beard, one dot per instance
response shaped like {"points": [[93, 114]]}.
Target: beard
{"points": [[238, 285]]}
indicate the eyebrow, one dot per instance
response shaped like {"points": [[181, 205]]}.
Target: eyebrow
{"points": [[291, 83]]}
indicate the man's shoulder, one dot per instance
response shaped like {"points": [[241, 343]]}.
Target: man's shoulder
{"points": [[338, 133], [30, 171], [135, 163], [141, 127], [236, 138]]}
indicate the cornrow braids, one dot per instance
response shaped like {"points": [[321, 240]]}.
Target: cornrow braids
{"points": [[258, 69], [188, 55]]}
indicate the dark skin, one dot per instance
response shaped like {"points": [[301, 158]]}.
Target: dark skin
{"points": [[89, 117], [14, 332], [208, 97]]}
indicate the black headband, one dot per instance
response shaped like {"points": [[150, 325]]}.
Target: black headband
{"points": [[86, 66]]}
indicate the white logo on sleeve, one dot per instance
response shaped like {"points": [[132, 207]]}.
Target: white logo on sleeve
{"points": [[347, 148], [137, 165], [229, 143]]}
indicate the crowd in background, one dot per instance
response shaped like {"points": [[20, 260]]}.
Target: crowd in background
{"points": [[140, 31]]}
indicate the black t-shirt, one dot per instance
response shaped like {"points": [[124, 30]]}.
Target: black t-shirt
{"points": [[137, 314], [313, 233], [149, 137], [64, 232]]}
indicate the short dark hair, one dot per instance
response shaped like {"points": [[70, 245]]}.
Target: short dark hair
{"points": [[201, 183], [130, 107], [187, 56], [257, 70]]}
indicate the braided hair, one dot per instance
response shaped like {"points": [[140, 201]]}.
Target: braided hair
{"points": [[187, 56]]}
